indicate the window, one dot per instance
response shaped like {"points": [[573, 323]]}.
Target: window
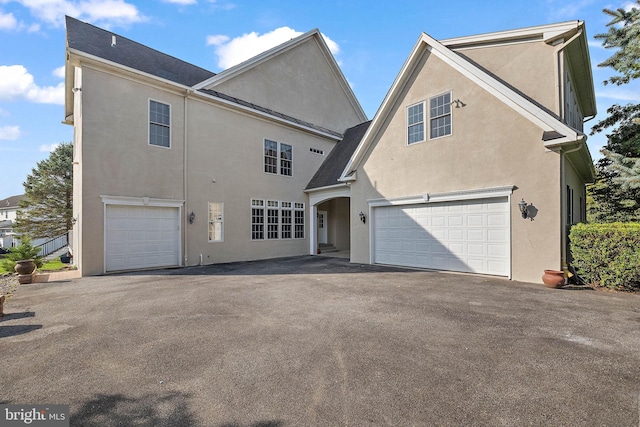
{"points": [[216, 221], [299, 220], [415, 123], [286, 157], [569, 205], [159, 124], [273, 151], [273, 219], [270, 156], [284, 220], [257, 219], [440, 115]]}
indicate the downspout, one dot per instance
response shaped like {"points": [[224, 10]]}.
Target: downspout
{"points": [[184, 174]]}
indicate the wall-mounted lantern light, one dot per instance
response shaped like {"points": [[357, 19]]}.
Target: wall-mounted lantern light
{"points": [[191, 217], [523, 209], [363, 218]]}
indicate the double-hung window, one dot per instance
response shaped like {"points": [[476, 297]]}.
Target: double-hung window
{"points": [[159, 124], [257, 219], [298, 213], [278, 158], [273, 219], [440, 115], [415, 123], [216, 221], [285, 214]]}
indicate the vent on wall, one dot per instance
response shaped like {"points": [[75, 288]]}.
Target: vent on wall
{"points": [[317, 151]]}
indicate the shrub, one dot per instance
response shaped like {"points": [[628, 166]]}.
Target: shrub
{"points": [[607, 255], [25, 250]]}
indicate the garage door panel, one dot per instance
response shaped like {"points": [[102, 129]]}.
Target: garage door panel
{"points": [[468, 236], [139, 237]]}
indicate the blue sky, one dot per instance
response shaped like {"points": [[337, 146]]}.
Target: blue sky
{"points": [[370, 40]]}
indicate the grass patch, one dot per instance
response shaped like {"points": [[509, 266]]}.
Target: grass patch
{"points": [[52, 265]]}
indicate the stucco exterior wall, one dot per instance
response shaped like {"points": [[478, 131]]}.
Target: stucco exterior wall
{"points": [[117, 159], [490, 146], [529, 67], [228, 147], [300, 83]]}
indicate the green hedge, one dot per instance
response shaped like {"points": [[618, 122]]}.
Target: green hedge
{"points": [[607, 255]]}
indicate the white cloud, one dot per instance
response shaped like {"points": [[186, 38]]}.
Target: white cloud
{"points": [[17, 83], [217, 40], [9, 133], [619, 94], [630, 5], [48, 148], [59, 72], [105, 12], [571, 9], [181, 2], [231, 52], [8, 21]]}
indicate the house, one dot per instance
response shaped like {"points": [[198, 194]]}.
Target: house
{"points": [[175, 165], [476, 161], [8, 213]]}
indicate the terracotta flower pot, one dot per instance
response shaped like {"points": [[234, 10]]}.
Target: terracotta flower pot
{"points": [[25, 269], [553, 278]]}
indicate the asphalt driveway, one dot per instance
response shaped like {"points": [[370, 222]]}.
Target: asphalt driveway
{"points": [[319, 341]]}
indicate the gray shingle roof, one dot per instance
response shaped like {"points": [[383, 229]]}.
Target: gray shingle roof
{"points": [[269, 111], [97, 42], [12, 202], [337, 160]]}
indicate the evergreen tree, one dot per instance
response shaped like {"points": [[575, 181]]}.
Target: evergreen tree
{"points": [[47, 208], [614, 196], [626, 39]]}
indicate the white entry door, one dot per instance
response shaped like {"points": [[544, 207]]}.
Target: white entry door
{"points": [[468, 236], [322, 227], [139, 237]]}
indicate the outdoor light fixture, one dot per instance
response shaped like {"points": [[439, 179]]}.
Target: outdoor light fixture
{"points": [[192, 216], [523, 209], [362, 217]]}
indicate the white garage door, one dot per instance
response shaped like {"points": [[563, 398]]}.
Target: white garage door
{"points": [[139, 237], [469, 236]]}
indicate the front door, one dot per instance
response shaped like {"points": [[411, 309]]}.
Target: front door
{"points": [[322, 227]]}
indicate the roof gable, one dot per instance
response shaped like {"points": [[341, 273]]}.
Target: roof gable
{"points": [[303, 66], [542, 118]]}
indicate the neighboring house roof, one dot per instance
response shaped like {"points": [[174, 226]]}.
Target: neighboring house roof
{"points": [[554, 133], [12, 202], [329, 172], [104, 44]]}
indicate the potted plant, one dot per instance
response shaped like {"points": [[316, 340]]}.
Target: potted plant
{"points": [[24, 259]]}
